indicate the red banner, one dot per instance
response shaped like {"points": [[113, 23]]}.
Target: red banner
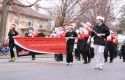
{"points": [[41, 45]]}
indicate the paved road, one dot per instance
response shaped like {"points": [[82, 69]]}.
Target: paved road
{"points": [[49, 69]]}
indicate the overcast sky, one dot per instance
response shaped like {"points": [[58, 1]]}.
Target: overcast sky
{"points": [[51, 3]]}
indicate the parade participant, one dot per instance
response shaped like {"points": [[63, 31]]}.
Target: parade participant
{"points": [[79, 43], [109, 47], [92, 48], [34, 34], [115, 43], [5, 49], [86, 46], [123, 50], [62, 33], [11, 35], [70, 37], [99, 32], [54, 35]]}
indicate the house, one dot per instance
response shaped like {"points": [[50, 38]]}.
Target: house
{"points": [[25, 18]]}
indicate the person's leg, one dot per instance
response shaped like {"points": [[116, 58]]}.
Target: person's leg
{"points": [[67, 55], [92, 52], [33, 56], [101, 56], [124, 54], [96, 47], [3, 51], [76, 56], [106, 53], [70, 53], [12, 52], [84, 55], [111, 50], [88, 53], [89, 56], [78, 52]]}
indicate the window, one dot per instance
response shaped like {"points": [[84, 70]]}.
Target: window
{"points": [[29, 22], [41, 23]]}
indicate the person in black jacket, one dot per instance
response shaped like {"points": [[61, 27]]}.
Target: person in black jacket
{"points": [[100, 32], [11, 34], [70, 36]]}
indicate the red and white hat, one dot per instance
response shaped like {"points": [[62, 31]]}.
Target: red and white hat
{"points": [[100, 17], [70, 26], [13, 25], [88, 23], [62, 27]]}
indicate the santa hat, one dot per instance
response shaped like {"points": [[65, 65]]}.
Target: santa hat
{"points": [[70, 26], [100, 17], [13, 25], [62, 27], [88, 23]]}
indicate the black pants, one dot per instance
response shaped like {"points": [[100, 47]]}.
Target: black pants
{"points": [[123, 52], [11, 46], [85, 50], [69, 56], [76, 54], [92, 52], [109, 47], [79, 51], [33, 55], [115, 50], [59, 57]]}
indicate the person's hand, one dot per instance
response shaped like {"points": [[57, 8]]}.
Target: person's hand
{"points": [[88, 41], [71, 37], [99, 35], [67, 38]]}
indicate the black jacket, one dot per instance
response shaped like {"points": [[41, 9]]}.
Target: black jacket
{"points": [[100, 29]]}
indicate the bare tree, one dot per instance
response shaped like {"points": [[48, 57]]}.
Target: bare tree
{"points": [[68, 11], [4, 14], [121, 28], [104, 8]]}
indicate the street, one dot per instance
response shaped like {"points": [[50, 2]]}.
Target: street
{"points": [[49, 69]]}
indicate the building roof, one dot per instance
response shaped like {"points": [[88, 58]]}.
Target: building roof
{"points": [[27, 11]]}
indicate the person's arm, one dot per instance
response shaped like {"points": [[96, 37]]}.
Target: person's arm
{"points": [[92, 34], [75, 36], [106, 33], [7, 39], [66, 37], [35, 34]]}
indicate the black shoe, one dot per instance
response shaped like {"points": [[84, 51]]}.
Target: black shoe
{"points": [[97, 68], [124, 61], [61, 59], [33, 58], [111, 62], [89, 61], [78, 59], [84, 62]]}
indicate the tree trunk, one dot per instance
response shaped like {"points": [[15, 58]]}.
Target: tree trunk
{"points": [[4, 15]]}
